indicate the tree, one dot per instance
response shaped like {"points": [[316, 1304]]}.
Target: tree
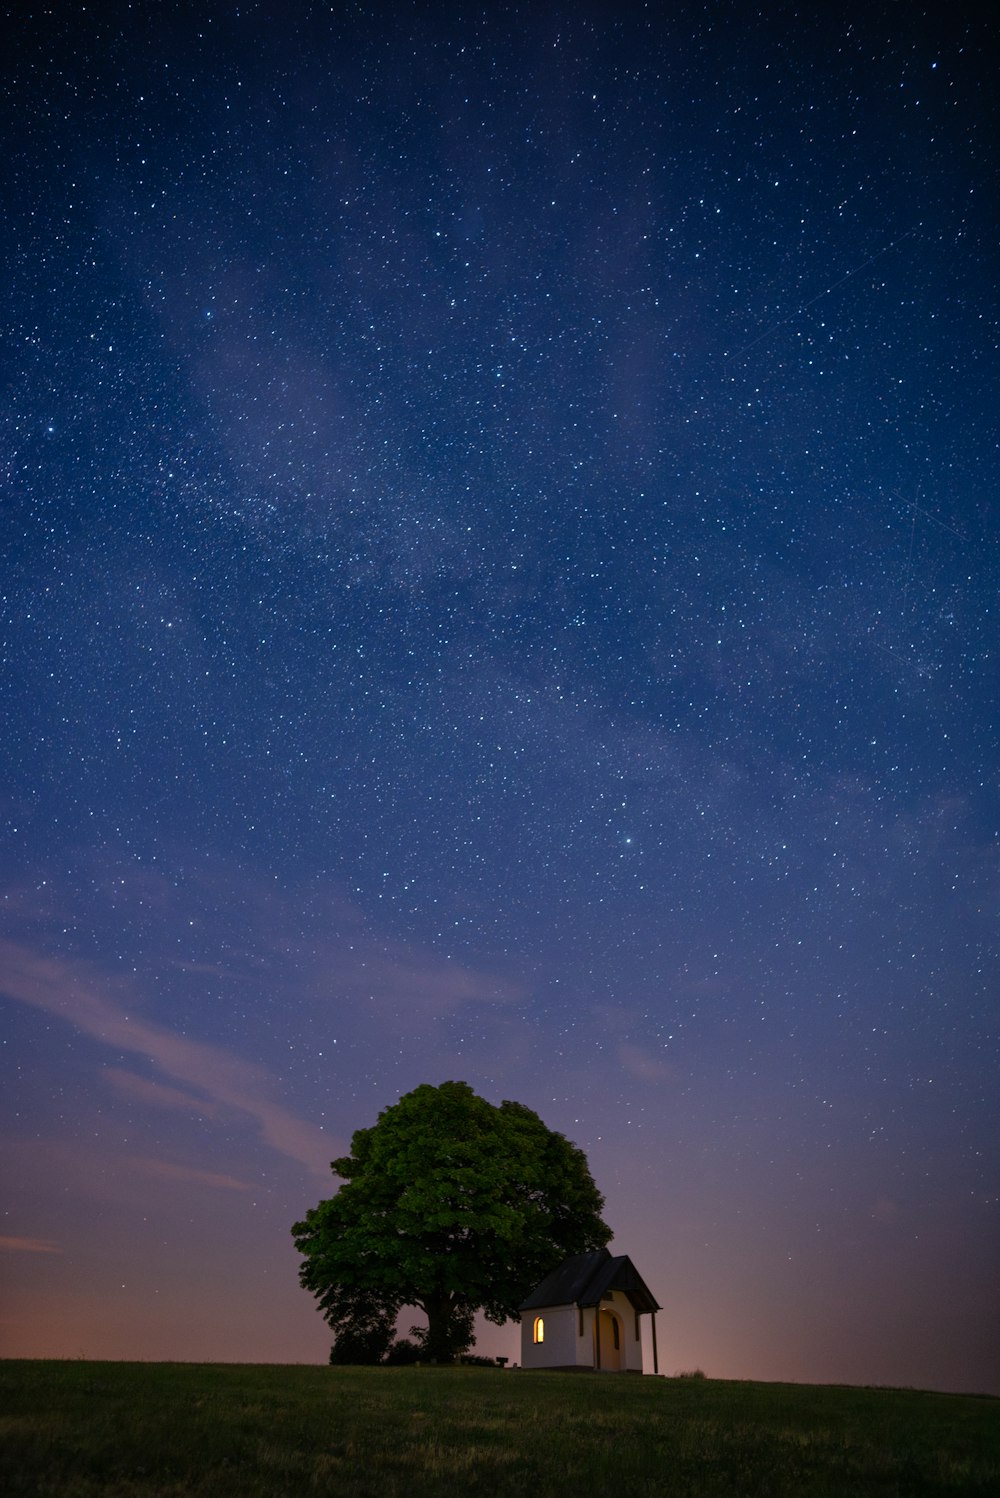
{"points": [[364, 1341], [452, 1205]]}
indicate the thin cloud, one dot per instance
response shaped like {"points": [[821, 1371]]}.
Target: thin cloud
{"points": [[56, 988], [30, 1246], [885, 1210], [644, 1065], [158, 1093], [414, 988], [168, 1171]]}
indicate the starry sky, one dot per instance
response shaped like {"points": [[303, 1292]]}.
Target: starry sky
{"points": [[499, 582]]}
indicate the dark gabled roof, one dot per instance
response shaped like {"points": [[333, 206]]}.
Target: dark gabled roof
{"points": [[584, 1279], [566, 1285]]}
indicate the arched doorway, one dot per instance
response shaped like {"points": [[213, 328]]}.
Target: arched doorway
{"points": [[611, 1341]]}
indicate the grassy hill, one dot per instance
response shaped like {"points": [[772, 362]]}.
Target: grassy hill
{"points": [[163, 1430]]}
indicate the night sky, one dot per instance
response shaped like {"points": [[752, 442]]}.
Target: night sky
{"points": [[499, 582]]}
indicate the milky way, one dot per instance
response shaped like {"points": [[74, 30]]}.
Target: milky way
{"points": [[499, 583]]}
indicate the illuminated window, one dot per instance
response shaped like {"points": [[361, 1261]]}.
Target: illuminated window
{"points": [[539, 1329]]}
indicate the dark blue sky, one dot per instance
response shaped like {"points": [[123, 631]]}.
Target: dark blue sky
{"points": [[499, 582]]}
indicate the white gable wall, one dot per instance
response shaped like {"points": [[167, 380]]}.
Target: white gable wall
{"points": [[564, 1347], [559, 1349]]}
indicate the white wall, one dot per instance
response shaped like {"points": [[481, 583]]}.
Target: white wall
{"points": [[565, 1348], [559, 1348], [584, 1350], [631, 1350]]}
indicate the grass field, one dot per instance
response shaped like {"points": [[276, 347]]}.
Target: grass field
{"points": [[162, 1430]]}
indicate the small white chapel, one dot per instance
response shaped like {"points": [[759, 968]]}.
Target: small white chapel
{"points": [[585, 1315]]}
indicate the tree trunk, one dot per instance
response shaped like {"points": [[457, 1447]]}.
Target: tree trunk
{"points": [[440, 1344], [450, 1327]]}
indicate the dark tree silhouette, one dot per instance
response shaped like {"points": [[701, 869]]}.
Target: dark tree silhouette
{"points": [[449, 1204]]}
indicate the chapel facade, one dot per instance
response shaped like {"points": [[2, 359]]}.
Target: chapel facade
{"points": [[585, 1315]]}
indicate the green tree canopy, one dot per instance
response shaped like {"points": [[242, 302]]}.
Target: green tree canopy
{"points": [[452, 1205]]}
